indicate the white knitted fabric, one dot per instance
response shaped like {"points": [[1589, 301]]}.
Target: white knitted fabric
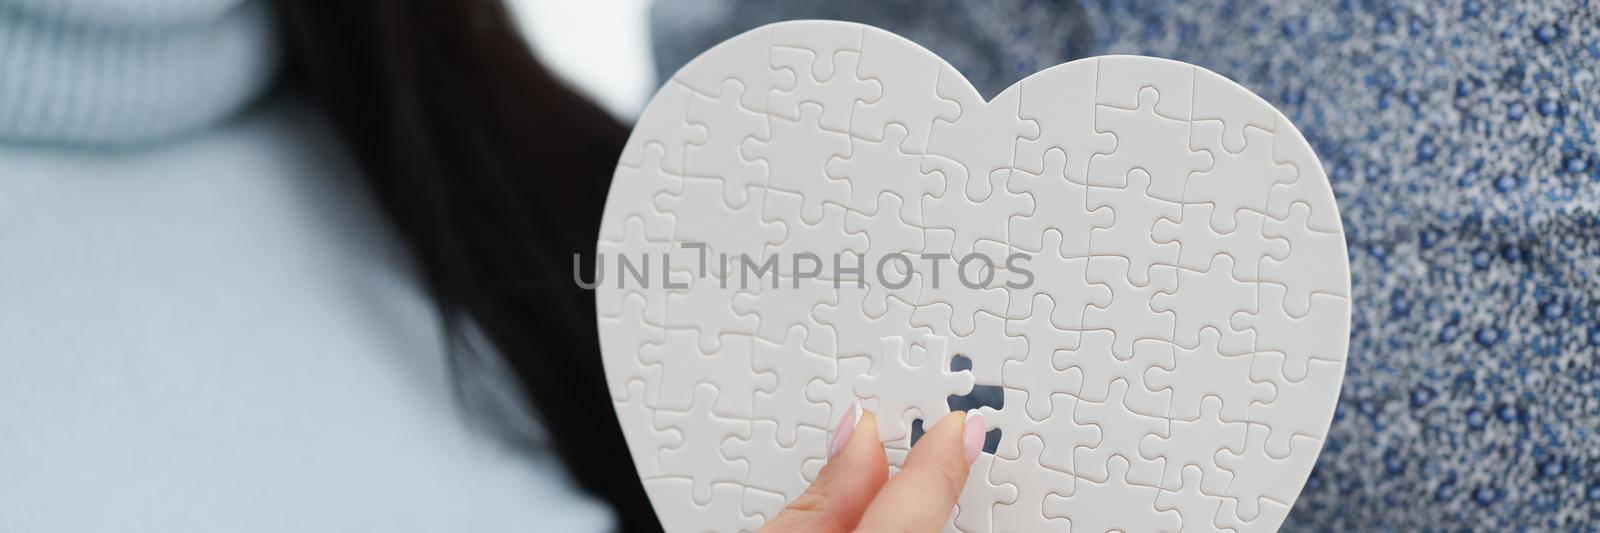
{"points": [[118, 72]]}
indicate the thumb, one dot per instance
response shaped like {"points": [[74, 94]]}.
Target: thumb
{"points": [[921, 496], [855, 471]]}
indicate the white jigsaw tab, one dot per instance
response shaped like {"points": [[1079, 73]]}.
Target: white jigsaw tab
{"points": [[1114, 504], [1032, 482], [726, 124], [698, 457], [901, 387]]}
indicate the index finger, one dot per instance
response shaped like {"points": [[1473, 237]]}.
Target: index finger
{"points": [[920, 497]]}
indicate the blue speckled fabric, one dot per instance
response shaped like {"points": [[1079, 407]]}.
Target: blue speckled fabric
{"points": [[1460, 139]]}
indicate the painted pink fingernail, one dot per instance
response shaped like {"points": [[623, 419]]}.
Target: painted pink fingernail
{"points": [[972, 435], [846, 427]]}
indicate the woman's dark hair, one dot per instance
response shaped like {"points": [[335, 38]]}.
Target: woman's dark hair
{"points": [[494, 173]]}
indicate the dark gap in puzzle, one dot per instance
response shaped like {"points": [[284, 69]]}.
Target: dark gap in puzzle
{"points": [[990, 396]]}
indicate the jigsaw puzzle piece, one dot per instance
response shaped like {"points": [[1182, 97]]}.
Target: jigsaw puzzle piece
{"points": [[772, 465], [809, 249], [836, 93], [745, 57], [633, 192], [684, 368], [622, 269], [955, 288], [1131, 310], [988, 347], [726, 125], [950, 315], [1114, 504], [1037, 370], [904, 391], [699, 456], [786, 304], [1130, 234], [1012, 420], [628, 334], [967, 221], [1060, 101], [890, 232], [1321, 334], [1236, 181], [1121, 431], [1094, 360], [979, 497], [809, 470], [1199, 242], [706, 308], [1194, 444], [1317, 262], [839, 395], [904, 72], [888, 166], [761, 505], [637, 419], [796, 159], [1219, 99], [1032, 482], [792, 368], [1209, 299], [1310, 187], [1303, 408], [857, 332], [1065, 281], [1148, 141], [1120, 80], [825, 39], [664, 127], [1198, 509], [700, 215], [1066, 211], [982, 139], [674, 503], [1269, 480], [1064, 436], [898, 282], [1270, 516], [1205, 370]]}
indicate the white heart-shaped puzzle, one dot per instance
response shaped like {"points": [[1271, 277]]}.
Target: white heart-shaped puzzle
{"points": [[1140, 257]]}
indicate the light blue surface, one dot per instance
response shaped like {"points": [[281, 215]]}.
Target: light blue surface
{"points": [[205, 325], [220, 334]]}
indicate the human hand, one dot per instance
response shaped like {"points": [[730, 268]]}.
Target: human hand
{"points": [[853, 491]]}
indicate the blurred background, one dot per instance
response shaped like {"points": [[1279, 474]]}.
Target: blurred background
{"points": [[602, 48]]}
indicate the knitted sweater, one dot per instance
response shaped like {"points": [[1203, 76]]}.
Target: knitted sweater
{"points": [[205, 324]]}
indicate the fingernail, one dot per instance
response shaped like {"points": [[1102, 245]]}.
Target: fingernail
{"points": [[846, 427], [972, 435]]}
